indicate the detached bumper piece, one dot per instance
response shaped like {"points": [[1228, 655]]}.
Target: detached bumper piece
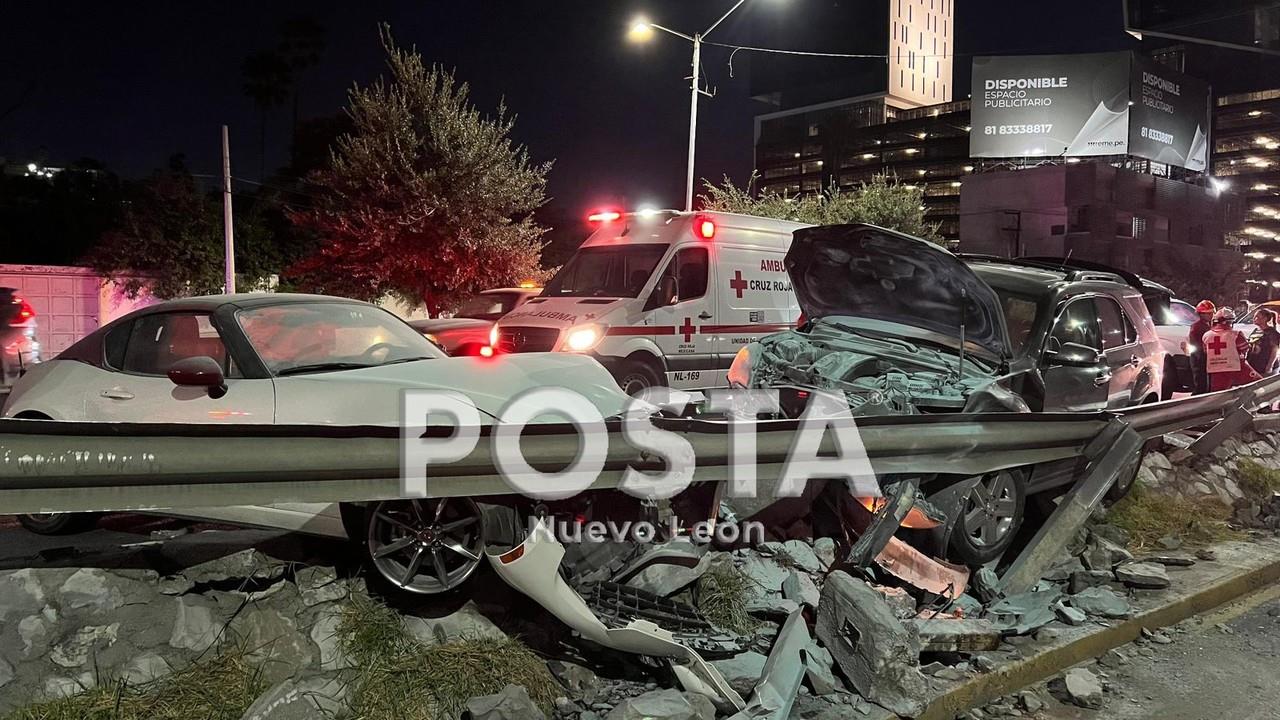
{"points": [[533, 568], [618, 605]]}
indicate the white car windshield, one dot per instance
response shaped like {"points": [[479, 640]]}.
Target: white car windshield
{"points": [[298, 338], [607, 271]]}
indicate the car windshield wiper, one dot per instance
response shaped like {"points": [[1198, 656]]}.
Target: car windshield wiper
{"points": [[405, 360], [321, 367]]}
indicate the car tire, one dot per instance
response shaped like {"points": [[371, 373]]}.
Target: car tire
{"points": [[57, 523], [635, 376], [990, 517], [54, 523], [428, 547]]}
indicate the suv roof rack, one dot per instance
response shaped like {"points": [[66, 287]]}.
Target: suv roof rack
{"points": [[1133, 279], [1072, 269]]}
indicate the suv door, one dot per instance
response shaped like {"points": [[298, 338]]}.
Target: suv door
{"points": [[1120, 345], [1075, 389], [689, 353], [135, 385]]}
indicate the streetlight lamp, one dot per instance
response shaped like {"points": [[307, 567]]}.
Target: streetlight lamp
{"points": [[641, 31]]}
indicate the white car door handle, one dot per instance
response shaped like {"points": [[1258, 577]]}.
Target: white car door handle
{"points": [[117, 394], [1103, 379]]}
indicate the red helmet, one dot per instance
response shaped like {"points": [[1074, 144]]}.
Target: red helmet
{"points": [[1205, 306]]}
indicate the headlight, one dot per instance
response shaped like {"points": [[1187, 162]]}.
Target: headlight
{"points": [[740, 370], [584, 337]]}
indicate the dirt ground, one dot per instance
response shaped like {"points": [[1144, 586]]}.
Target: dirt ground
{"points": [[1224, 666]]}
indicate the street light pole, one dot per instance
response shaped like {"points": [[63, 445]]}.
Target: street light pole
{"points": [[694, 87], [693, 120]]}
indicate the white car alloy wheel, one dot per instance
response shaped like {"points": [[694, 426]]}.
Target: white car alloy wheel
{"points": [[426, 547]]}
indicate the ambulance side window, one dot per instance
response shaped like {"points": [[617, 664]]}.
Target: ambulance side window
{"points": [[689, 268]]}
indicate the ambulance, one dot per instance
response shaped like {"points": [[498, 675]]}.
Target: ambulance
{"points": [[661, 297]]}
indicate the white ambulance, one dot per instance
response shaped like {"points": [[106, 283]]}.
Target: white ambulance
{"points": [[662, 297]]}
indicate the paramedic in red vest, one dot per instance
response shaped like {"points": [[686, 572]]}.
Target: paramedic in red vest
{"points": [[1225, 350], [1195, 346]]}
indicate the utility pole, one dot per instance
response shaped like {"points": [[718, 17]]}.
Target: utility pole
{"points": [[693, 119], [229, 241]]}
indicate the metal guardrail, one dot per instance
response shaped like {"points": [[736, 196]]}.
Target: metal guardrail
{"points": [[55, 466]]}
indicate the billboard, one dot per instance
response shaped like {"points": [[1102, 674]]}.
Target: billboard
{"points": [[1169, 117], [1086, 105]]}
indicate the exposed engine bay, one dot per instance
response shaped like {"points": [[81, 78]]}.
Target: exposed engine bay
{"points": [[879, 375]]}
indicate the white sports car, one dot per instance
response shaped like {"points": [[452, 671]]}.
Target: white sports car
{"points": [[296, 359]]}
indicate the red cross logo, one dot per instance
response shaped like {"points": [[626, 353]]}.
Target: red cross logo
{"points": [[687, 329], [1216, 345], [737, 283]]}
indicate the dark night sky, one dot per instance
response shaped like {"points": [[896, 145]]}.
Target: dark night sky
{"points": [[131, 83]]}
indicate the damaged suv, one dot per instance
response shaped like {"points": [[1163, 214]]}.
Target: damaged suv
{"points": [[901, 326]]}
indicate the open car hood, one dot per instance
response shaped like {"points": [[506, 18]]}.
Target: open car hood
{"points": [[864, 271]]}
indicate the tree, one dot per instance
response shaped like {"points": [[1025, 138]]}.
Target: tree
{"points": [[170, 242], [426, 198], [883, 201], [267, 79], [1193, 277]]}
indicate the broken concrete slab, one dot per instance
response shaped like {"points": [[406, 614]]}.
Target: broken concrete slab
{"points": [[664, 705], [953, 635], [465, 623], [742, 670], [1103, 554], [1082, 688], [511, 703], [876, 652], [1100, 601], [1069, 615], [802, 555], [765, 573], [1026, 612], [1150, 576], [819, 671], [825, 549], [1085, 579], [245, 565], [900, 601], [800, 588]]}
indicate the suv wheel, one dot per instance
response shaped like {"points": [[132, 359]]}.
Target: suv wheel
{"points": [[989, 517], [634, 376]]}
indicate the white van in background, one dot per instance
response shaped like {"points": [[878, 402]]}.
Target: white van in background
{"points": [[662, 297]]}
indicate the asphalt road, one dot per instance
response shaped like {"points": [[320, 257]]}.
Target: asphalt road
{"points": [[1224, 665]]}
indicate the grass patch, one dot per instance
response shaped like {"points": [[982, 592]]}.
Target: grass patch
{"points": [[1149, 516], [397, 676], [723, 593], [1257, 482], [217, 688]]}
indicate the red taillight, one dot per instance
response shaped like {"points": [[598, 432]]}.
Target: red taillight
{"points": [[800, 321], [486, 351], [704, 228], [604, 216], [25, 311]]}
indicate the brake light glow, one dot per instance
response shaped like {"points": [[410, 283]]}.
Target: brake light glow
{"points": [[604, 216], [493, 335], [486, 351], [25, 311], [704, 228]]}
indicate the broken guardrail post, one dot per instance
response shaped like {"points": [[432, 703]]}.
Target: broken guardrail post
{"points": [[1115, 450]]}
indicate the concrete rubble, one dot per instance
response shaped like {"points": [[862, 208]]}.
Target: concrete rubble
{"points": [[863, 657]]}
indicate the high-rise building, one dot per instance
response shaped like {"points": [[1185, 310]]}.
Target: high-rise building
{"points": [[828, 121], [1235, 46]]}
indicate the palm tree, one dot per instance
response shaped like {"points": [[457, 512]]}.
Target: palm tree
{"points": [[267, 79], [302, 42]]}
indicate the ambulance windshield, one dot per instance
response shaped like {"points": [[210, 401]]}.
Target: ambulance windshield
{"points": [[607, 271]]}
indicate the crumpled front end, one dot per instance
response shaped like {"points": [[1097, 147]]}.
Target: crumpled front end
{"points": [[878, 376]]}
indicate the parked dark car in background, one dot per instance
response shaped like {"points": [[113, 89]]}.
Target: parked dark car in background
{"points": [[19, 347], [468, 330]]}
